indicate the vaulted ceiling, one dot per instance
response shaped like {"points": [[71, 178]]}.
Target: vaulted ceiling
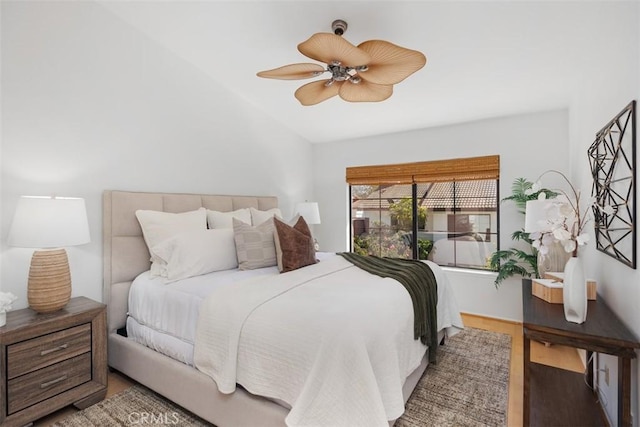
{"points": [[484, 59]]}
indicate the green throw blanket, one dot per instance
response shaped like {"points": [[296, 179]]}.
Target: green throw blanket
{"points": [[418, 279]]}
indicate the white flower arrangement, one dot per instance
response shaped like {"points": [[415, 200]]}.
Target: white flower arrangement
{"points": [[565, 222], [6, 299]]}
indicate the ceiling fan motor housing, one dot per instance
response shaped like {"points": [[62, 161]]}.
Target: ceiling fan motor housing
{"points": [[339, 27]]}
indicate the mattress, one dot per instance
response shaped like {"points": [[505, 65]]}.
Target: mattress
{"points": [[166, 344]]}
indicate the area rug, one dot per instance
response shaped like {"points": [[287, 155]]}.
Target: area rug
{"points": [[467, 387]]}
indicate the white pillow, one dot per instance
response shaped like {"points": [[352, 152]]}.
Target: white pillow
{"points": [[198, 252], [217, 219], [258, 217], [160, 226]]}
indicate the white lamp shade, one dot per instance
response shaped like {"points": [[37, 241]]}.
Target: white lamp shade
{"points": [[49, 222], [310, 212], [539, 214], [535, 215]]}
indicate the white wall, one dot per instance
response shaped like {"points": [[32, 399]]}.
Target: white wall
{"points": [[90, 103], [604, 93], [523, 143]]}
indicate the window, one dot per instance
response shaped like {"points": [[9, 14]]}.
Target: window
{"points": [[382, 220], [450, 208]]}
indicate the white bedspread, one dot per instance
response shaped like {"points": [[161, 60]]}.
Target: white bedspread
{"points": [[331, 340], [173, 308]]}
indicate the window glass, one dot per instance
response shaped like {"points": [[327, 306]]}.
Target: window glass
{"points": [[382, 220], [457, 221]]}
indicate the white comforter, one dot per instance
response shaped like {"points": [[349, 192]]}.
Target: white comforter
{"points": [[331, 340]]}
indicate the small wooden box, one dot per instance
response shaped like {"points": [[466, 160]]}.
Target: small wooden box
{"points": [[550, 288]]}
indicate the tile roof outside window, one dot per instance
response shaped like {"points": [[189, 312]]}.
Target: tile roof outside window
{"points": [[472, 195], [480, 194]]}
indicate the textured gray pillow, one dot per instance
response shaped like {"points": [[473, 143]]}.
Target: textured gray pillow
{"points": [[255, 246]]}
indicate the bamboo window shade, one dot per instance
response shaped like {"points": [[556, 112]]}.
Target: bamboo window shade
{"points": [[466, 169]]}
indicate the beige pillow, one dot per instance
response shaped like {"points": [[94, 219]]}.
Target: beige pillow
{"points": [[217, 219], [258, 217], [294, 244], [159, 226], [255, 246]]}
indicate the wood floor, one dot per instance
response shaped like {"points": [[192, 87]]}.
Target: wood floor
{"points": [[555, 355]]}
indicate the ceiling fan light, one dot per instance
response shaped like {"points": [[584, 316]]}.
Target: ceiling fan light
{"points": [[355, 80]]}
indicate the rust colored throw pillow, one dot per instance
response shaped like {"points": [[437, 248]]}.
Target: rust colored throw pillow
{"points": [[294, 245]]}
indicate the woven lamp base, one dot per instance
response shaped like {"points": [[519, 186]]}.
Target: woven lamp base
{"points": [[49, 287]]}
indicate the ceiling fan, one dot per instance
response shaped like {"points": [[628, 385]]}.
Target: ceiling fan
{"points": [[365, 73]]}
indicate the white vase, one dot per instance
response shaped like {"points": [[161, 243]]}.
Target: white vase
{"points": [[574, 291], [3, 318]]}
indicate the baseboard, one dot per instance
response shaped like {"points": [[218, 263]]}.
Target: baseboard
{"points": [[498, 319]]}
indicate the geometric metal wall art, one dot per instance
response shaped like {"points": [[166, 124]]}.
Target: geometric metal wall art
{"points": [[613, 163]]}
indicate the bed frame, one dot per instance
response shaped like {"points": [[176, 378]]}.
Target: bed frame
{"points": [[126, 256]]}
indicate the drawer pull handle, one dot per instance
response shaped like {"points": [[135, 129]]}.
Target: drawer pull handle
{"points": [[51, 350], [52, 382]]}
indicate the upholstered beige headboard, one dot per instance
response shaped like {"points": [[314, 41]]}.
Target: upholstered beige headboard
{"points": [[125, 252]]}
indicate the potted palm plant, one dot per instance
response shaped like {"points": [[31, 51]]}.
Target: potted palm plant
{"points": [[514, 261]]}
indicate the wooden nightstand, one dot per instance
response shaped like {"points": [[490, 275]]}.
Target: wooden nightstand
{"points": [[49, 361]]}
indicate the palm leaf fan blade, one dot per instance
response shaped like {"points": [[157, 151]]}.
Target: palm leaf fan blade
{"points": [[327, 48], [365, 92], [316, 92], [390, 64], [293, 72]]}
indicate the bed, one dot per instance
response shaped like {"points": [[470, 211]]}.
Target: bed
{"points": [[171, 372]]}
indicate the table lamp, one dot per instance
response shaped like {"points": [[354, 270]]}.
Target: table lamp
{"points": [[49, 223], [311, 214]]}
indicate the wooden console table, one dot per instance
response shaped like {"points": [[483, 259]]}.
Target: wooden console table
{"points": [[554, 396]]}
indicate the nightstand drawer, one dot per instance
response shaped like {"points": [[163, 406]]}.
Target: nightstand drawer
{"points": [[37, 386], [37, 353]]}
